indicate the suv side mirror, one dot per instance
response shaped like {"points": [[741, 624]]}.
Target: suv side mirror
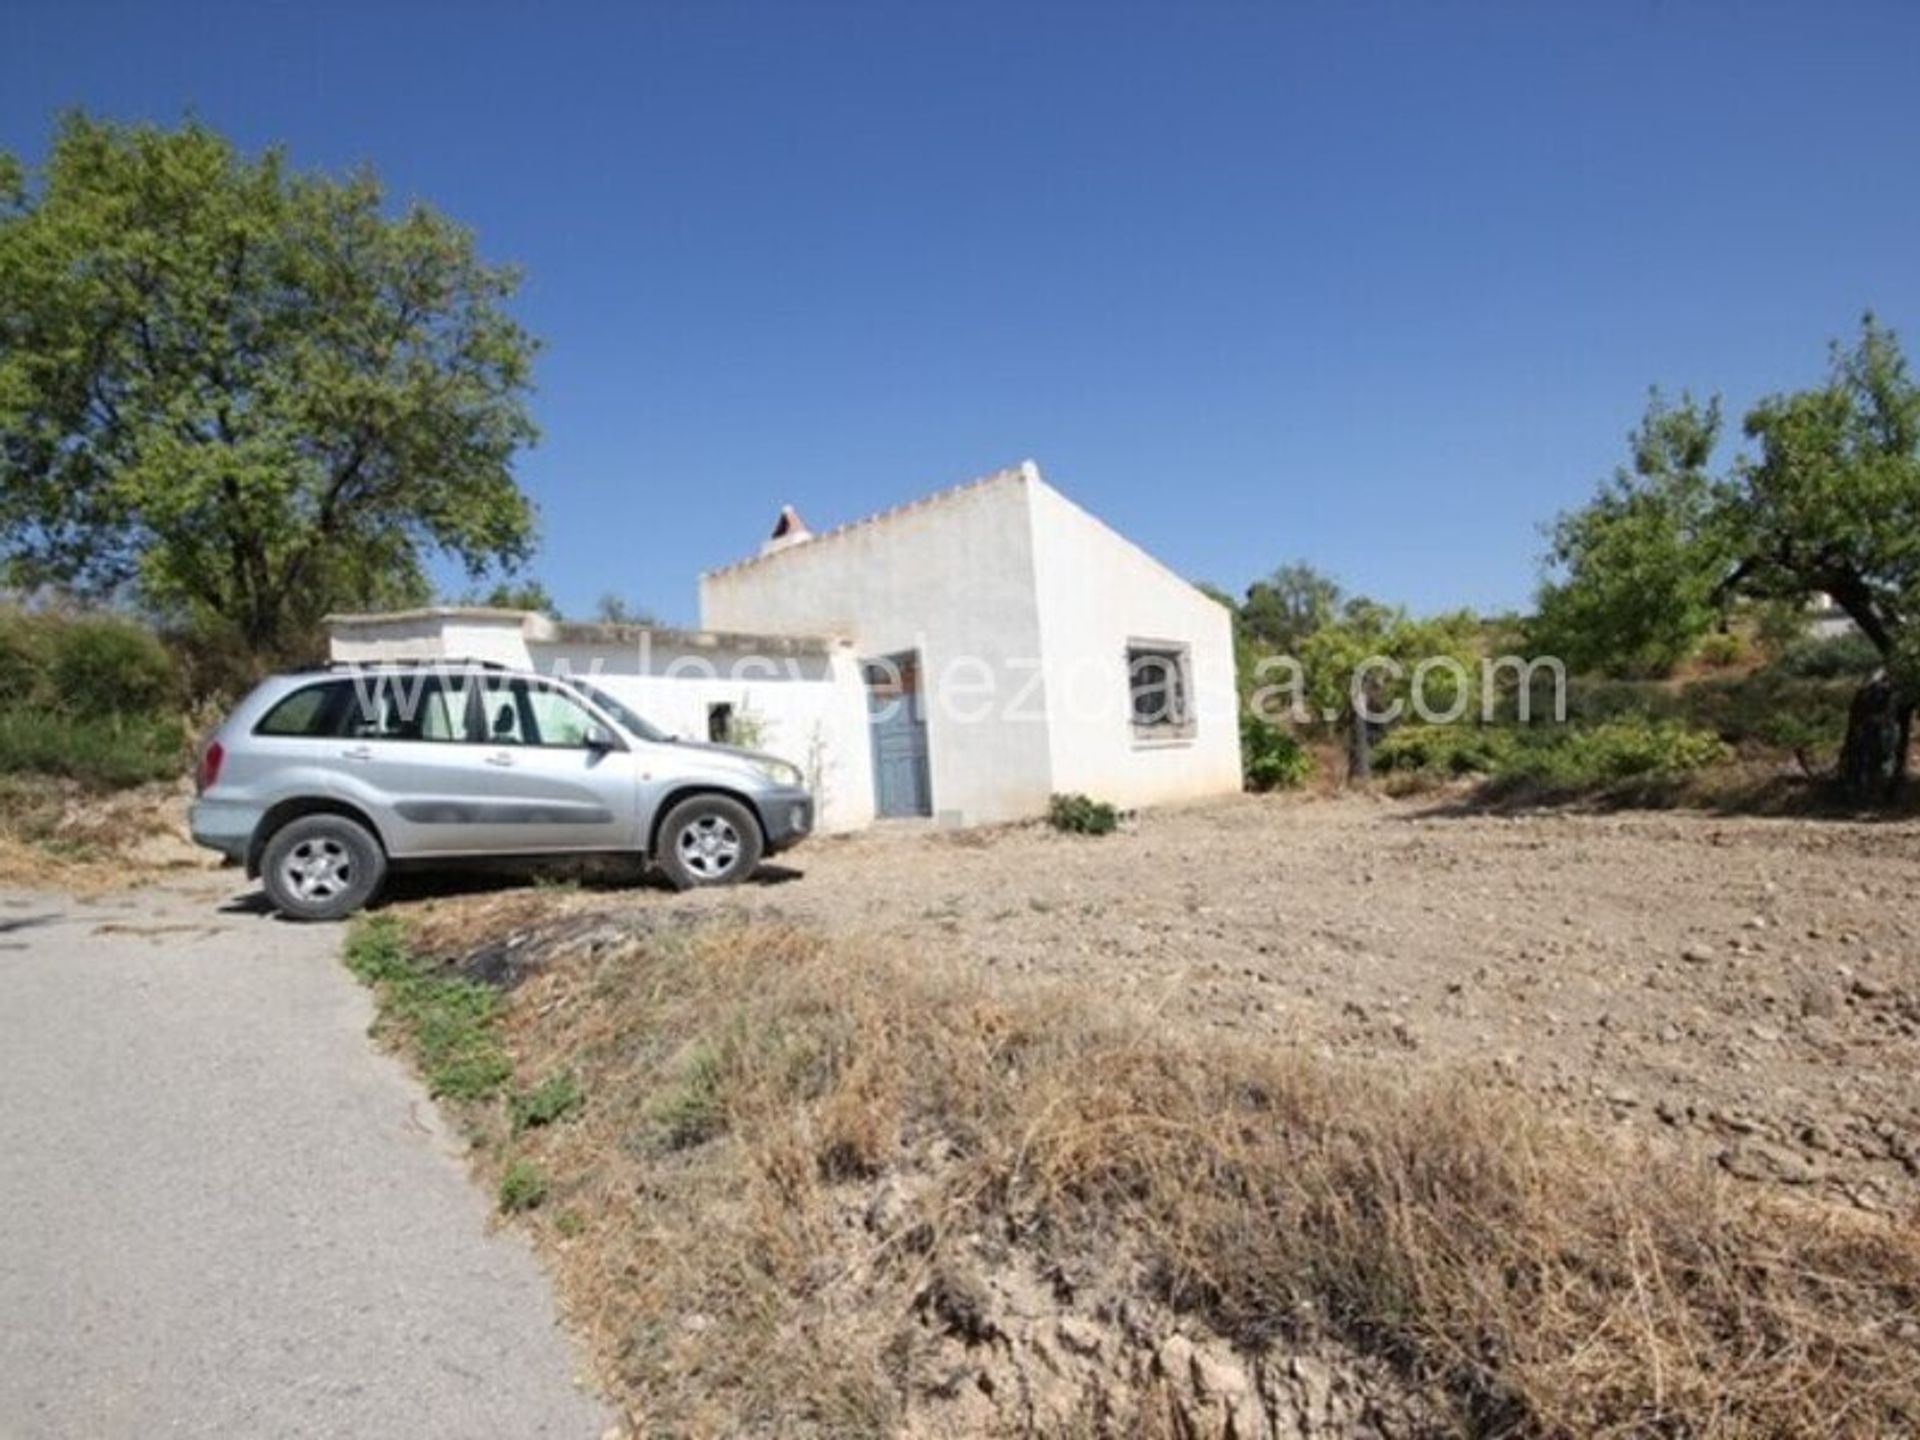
{"points": [[600, 739]]}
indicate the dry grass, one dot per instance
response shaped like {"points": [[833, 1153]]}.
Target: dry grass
{"points": [[57, 833], [792, 1154]]}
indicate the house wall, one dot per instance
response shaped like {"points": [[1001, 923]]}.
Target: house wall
{"points": [[431, 635], [1098, 593], [951, 576]]}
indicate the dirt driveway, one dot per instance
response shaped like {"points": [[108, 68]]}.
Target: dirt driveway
{"points": [[1748, 986]]}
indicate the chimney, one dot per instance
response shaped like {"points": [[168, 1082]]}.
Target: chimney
{"points": [[788, 530]]}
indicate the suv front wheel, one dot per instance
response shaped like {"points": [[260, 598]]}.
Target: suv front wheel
{"points": [[321, 867], [709, 840]]}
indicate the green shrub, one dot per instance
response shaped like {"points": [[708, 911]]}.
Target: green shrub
{"points": [[1271, 758], [103, 752], [1444, 750], [1830, 657], [1579, 757], [104, 666], [1769, 708], [1563, 756], [1080, 815], [523, 1186], [23, 658]]}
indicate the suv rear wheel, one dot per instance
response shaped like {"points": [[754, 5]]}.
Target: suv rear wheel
{"points": [[709, 840], [321, 867]]}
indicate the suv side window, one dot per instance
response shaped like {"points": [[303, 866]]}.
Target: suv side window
{"points": [[410, 705], [527, 713], [310, 713]]}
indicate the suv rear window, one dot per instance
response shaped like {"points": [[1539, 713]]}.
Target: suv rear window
{"points": [[311, 711]]}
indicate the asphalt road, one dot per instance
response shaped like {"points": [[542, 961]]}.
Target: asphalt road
{"points": [[223, 1213]]}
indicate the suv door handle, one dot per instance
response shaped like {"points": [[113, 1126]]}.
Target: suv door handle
{"points": [[357, 752], [500, 757]]}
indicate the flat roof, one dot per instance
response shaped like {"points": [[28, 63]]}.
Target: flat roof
{"points": [[541, 629], [735, 642]]}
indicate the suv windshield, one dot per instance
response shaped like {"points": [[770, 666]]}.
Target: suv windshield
{"points": [[628, 721]]}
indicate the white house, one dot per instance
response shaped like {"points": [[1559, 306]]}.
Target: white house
{"points": [[963, 657]]}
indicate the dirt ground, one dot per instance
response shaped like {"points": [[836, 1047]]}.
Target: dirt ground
{"points": [[1750, 987]]}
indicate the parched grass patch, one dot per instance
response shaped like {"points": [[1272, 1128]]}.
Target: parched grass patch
{"points": [[796, 1147]]}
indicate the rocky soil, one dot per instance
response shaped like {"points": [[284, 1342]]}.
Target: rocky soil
{"points": [[1748, 987]]}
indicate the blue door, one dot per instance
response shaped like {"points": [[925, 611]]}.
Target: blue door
{"points": [[896, 714]]}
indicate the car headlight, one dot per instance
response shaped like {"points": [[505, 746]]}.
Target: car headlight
{"points": [[778, 771]]}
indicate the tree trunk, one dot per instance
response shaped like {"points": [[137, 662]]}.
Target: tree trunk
{"points": [[1359, 750], [1873, 758]]}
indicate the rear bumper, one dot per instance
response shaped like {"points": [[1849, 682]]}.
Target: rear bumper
{"points": [[786, 816], [223, 825]]}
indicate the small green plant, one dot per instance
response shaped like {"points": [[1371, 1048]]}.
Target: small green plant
{"points": [[523, 1185], [1079, 815], [1271, 758], [1721, 649], [570, 1224], [552, 1100], [690, 1110], [452, 1023]]}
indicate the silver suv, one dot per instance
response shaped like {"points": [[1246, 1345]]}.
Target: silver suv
{"points": [[318, 780]]}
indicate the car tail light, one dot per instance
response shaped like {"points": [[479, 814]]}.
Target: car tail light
{"points": [[210, 759]]}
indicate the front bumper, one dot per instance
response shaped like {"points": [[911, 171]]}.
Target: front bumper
{"points": [[223, 825], [786, 816]]}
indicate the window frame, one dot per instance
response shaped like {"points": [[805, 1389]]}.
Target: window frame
{"points": [[1182, 726], [518, 691]]}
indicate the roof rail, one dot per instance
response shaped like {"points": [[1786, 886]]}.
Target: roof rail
{"points": [[472, 661]]}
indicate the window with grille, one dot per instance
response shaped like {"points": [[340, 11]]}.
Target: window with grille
{"points": [[1160, 691]]}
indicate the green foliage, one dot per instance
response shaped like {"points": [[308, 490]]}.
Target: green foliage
{"points": [[1271, 758], [553, 1099], [1778, 626], [452, 1023], [523, 1186], [1079, 815], [1720, 650], [1335, 659], [1770, 708], [1638, 569], [1575, 757], [523, 594], [1829, 505], [102, 752], [104, 666], [252, 395], [1571, 757], [1281, 611], [92, 698], [1832, 501], [23, 658], [1446, 750], [692, 1109], [1831, 657]]}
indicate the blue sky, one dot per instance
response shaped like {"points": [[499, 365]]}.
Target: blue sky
{"points": [[1381, 286]]}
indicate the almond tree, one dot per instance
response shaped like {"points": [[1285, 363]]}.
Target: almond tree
{"points": [[243, 395]]}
